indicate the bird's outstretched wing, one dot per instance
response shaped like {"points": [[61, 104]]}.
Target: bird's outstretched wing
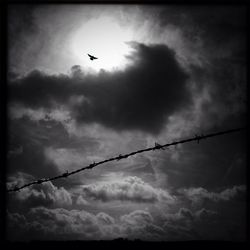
{"points": [[92, 57]]}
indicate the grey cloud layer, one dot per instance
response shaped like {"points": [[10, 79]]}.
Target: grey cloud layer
{"points": [[139, 98]]}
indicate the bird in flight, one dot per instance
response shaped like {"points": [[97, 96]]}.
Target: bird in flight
{"points": [[92, 57]]}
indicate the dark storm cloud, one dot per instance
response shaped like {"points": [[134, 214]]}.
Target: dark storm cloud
{"points": [[222, 25], [15, 151], [229, 92], [32, 138], [139, 98], [218, 24], [224, 36], [210, 164], [20, 22], [218, 33], [21, 27]]}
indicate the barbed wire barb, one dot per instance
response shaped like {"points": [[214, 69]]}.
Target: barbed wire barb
{"points": [[157, 146]]}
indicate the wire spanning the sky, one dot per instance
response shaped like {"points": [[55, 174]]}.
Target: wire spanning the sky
{"points": [[120, 156]]}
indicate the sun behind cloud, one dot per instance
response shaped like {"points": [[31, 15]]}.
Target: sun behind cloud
{"points": [[104, 38]]}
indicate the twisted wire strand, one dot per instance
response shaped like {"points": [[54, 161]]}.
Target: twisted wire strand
{"points": [[157, 146]]}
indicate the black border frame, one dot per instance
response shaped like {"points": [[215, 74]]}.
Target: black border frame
{"points": [[4, 126]]}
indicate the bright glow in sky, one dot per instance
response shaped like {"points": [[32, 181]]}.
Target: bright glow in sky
{"points": [[103, 38]]}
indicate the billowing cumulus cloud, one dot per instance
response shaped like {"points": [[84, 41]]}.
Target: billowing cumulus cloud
{"points": [[141, 97], [202, 224], [184, 215], [105, 218], [19, 179], [138, 217], [140, 224], [59, 223], [199, 194], [62, 224], [45, 194], [130, 188], [80, 201], [186, 224], [205, 215]]}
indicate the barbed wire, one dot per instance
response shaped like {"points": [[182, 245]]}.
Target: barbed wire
{"points": [[157, 146]]}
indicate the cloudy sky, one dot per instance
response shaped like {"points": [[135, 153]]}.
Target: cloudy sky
{"points": [[163, 73]]}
